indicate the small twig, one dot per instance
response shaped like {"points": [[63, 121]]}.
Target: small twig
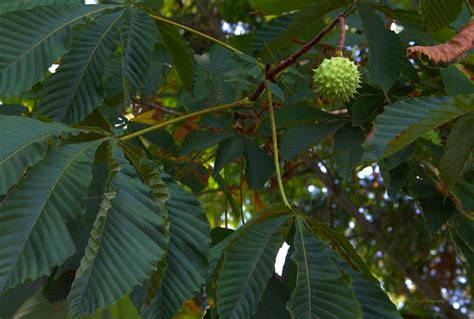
{"points": [[298, 41], [272, 73], [342, 37], [217, 108], [199, 33], [156, 106]]}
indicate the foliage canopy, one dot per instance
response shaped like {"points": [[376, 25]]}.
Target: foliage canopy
{"points": [[152, 170]]}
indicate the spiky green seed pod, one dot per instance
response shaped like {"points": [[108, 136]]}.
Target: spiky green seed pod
{"points": [[336, 79]]}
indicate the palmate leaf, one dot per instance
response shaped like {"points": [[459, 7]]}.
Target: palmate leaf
{"points": [[459, 148], [33, 235], [187, 254], [247, 266], [140, 37], [72, 92], [406, 120], [30, 41], [22, 148], [126, 242], [21, 5], [321, 289]]}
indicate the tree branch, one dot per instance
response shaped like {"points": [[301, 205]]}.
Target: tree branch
{"points": [[213, 22], [343, 200]]}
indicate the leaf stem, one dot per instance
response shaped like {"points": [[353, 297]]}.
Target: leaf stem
{"points": [[199, 33], [276, 160], [469, 8], [342, 36], [244, 101]]}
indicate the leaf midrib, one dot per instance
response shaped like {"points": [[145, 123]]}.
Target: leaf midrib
{"points": [[306, 266]]}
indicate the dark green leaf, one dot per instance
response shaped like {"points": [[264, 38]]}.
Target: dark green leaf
{"points": [[364, 108], [298, 139], [126, 242], [386, 56], [439, 13], [395, 178], [269, 31], [24, 143], [348, 149], [32, 216], [73, 91], [21, 5], [276, 91], [406, 120], [258, 165], [458, 152], [321, 291], [273, 302], [30, 41], [247, 266], [200, 140], [456, 82], [374, 301], [140, 37], [229, 150], [179, 52], [187, 254], [437, 209]]}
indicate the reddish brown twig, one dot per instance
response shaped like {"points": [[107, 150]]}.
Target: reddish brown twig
{"points": [[342, 37], [272, 73]]}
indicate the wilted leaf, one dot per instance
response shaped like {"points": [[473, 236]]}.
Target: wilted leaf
{"points": [[448, 52]]}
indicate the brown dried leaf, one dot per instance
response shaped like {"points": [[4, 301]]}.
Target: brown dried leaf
{"points": [[448, 52]]}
